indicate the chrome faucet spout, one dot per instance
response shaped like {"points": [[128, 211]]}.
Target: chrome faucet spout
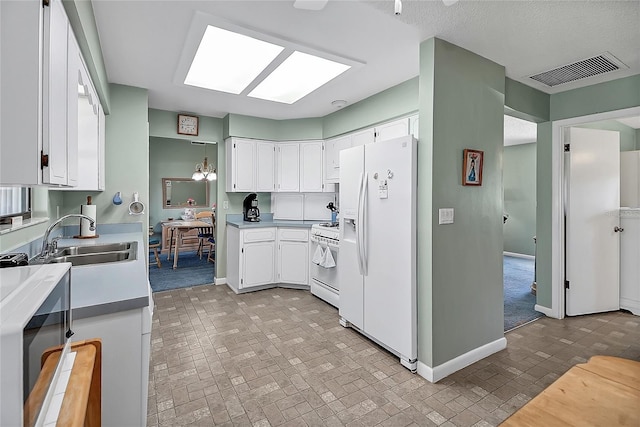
{"points": [[45, 239]]}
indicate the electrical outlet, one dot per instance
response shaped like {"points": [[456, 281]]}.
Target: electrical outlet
{"points": [[225, 204]]}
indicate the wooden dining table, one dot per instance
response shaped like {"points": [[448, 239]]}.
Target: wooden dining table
{"points": [[180, 227]]}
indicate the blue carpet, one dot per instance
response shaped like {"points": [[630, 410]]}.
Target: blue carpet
{"points": [[518, 300], [191, 271]]}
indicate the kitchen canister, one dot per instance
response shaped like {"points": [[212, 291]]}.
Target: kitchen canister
{"points": [[85, 226]]}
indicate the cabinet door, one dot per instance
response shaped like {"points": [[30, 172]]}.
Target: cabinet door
{"points": [[311, 165], [293, 262], [332, 157], [288, 167], [392, 130], [21, 90], [55, 84], [73, 69], [363, 137], [258, 264], [243, 158], [265, 166]]}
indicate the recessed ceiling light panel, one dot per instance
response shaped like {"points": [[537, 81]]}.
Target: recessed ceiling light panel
{"points": [[299, 75], [228, 61]]}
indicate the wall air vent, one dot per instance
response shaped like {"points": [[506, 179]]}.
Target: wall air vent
{"points": [[579, 70]]}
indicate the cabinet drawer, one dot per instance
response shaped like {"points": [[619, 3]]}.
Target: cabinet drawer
{"points": [[259, 235], [293, 234]]}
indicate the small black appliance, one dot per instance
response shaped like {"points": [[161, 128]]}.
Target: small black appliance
{"points": [[250, 208]]}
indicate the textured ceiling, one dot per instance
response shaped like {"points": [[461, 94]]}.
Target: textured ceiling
{"points": [[142, 43], [518, 131]]}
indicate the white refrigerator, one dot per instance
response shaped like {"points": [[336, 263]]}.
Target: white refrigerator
{"points": [[377, 275]]}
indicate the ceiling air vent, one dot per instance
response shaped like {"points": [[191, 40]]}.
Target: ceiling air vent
{"points": [[579, 70]]}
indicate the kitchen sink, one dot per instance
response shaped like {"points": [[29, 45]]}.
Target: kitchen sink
{"points": [[95, 254], [81, 250]]}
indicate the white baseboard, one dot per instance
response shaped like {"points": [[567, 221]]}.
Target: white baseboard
{"points": [[632, 305], [517, 255], [544, 310], [220, 281], [441, 371]]}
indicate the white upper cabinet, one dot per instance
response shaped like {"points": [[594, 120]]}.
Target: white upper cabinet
{"points": [[288, 166], [311, 162], [332, 156], [40, 71], [394, 129], [265, 166], [91, 149], [250, 165], [241, 164], [362, 137]]}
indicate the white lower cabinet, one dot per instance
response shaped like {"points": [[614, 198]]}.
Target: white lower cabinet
{"points": [[126, 341], [259, 257], [293, 256]]}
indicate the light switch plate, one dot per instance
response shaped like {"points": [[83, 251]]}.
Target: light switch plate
{"points": [[445, 216], [225, 204]]}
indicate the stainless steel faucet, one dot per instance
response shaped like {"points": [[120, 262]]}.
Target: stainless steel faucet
{"points": [[46, 246]]}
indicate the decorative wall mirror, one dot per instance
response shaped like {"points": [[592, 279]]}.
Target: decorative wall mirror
{"points": [[184, 193]]}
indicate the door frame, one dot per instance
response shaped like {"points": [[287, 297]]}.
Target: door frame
{"points": [[557, 204]]}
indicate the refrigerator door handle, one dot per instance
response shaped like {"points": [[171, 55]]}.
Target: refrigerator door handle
{"points": [[363, 223], [357, 224]]}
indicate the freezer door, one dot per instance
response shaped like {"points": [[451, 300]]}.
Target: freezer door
{"points": [[390, 252], [349, 276]]}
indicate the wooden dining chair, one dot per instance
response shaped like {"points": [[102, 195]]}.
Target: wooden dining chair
{"points": [[205, 233]]}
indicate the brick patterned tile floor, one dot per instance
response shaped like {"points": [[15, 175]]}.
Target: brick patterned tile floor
{"points": [[279, 358]]}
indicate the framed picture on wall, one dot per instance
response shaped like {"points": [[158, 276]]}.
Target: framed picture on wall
{"points": [[472, 167]]}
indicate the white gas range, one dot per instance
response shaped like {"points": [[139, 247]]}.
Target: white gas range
{"points": [[324, 266]]}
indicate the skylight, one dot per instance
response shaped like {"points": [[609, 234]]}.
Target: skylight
{"points": [[227, 61], [299, 75]]}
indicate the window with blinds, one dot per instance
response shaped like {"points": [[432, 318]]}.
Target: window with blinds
{"points": [[14, 201]]}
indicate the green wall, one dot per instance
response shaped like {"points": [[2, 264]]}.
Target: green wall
{"points": [[269, 129], [519, 177], [609, 96], [126, 159], [397, 101], [174, 158], [463, 100], [83, 23], [525, 102]]}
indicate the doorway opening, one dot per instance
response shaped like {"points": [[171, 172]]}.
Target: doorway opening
{"points": [[559, 195], [519, 221]]}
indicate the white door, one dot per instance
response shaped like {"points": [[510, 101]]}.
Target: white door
{"points": [[349, 274], [265, 167], [258, 264], [288, 165], [392, 130], [55, 94], [311, 165], [592, 205], [294, 262], [243, 165]]}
